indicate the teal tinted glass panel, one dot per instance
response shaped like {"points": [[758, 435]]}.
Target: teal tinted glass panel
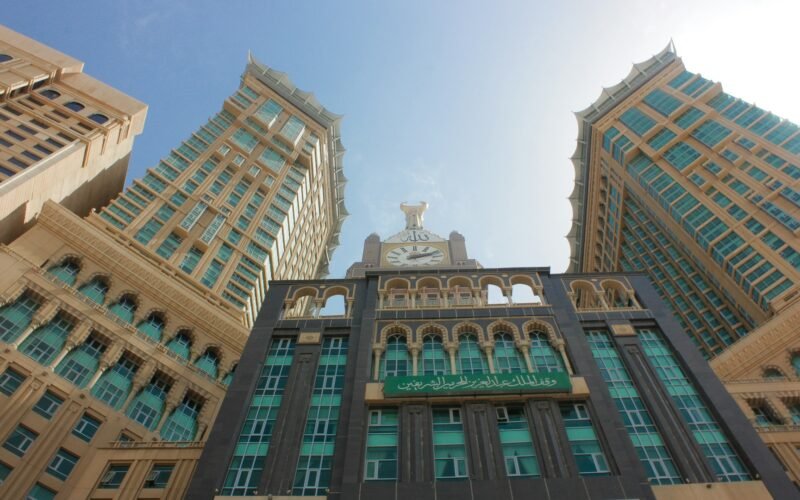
{"points": [[159, 476], [95, 290], [181, 425], [124, 309], [642, 430], [114, 384], [435, 360], [252, 445], [662, 102], [638, 122], [543, 356], [396, 359], [62, 464], [380, 463], [449, 447], [705, 430], [148, 406], [583, 440], [44, 344], [113, 477], [507, 358], [471, 358], [312, 476], [39, 492], [293, 128], [10, 380], [66, 271], [711, 133], [148, 231], [661, 139], [181, 344], [516, 442], [20, 440], [688, 117], [86, 427], [268, 111], [48, 405], [681, 155], [208, 363], [15, 317], [81, 363], [152, 326], [191, 259]]}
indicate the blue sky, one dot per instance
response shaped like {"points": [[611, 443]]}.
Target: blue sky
{"points": [[467, 105]]}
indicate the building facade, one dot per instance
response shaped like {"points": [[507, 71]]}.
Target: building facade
{"points": [[64, 136], [700, 189], [120, 331], [424, 388]]}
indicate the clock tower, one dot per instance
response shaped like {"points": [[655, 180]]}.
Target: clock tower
{"points": [[413, 248]]}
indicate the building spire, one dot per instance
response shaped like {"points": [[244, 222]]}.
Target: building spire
{"points": [[414, 214]]}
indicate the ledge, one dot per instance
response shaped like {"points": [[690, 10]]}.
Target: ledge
{"points": [[752, 490]]}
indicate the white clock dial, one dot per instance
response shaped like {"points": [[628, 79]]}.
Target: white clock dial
{"points": [[415, 255]]}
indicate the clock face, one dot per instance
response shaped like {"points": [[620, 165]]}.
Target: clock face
{"points": [[415, 255]]}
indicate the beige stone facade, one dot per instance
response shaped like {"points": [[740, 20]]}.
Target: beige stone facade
{"points": [[64, 136], [120, 331]]}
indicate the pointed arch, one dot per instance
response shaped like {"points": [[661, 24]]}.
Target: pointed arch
{"points": [[125, 307], [394, 329], [181, 343], [96, 288], [67, 269], [209, 361], [153, 324], [584, 295], [501, 326]]}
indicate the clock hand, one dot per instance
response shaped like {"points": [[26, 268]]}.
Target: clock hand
{"points": [[420, 255]]}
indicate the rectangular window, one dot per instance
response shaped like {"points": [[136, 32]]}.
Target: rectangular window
{"points": [[710, 133], [268, 112], [681, 155], [293, 128], [170, 244], [62, 464], [382, 436], [10, 380], [273, 160], [449, 446], [113, 476], [86, 427], [192, 217], [48, 405], [244, 140], [688, 117], [39, 492], [638, 122], [20, 440], [193, 256], [212, 273], [517, 444], [148, 231], [661, 139], [583, 440], [159, 476], [213, 228], [5, 470], [662, 102]]}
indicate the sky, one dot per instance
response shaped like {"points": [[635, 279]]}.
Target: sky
{"points": [[466, 105]]}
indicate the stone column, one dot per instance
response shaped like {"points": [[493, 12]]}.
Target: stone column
{"points": [[74, 339], [174, 398], [560, 345], [106, 361], [377, 351], [43, 316], [451, 350], [140, 380], [414, 358]]}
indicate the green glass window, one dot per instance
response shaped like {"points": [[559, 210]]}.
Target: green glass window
{"points": [[471, 359], [15, 317], [268, 111], [124, 308], [662, 102], [711, 133], [39, 492], [181, 344], [148, 231], [86, 427], [435, 360], [5, 470], [67, 271], [449, 447], [638, 122], [681, 155], [688, 117], [293, 128], [159, 475], [273, 160], [20, 440], [96, 289], [193, 256], [382, 437], [254, 438], [81, 363], [115, 383], [147, 407], [47, 341], [152, 326], [312, 475], [48, 405], [507, 358], [182, 424], [208, 363], [583, 440], [62, 464], [516, 441], [169, 245], [707, 433], [647, 439], [661, 139], [212, 273], [395, 360], [228, 378], [114, 475], [764, 416], [244, 140], [10, 380], [543, 357]]}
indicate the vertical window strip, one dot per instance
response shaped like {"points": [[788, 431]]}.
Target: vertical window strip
{"points": [[706, 431], [435, 360], [646, 437], [47, 341], [471, 359], [81, 363], [395, 360], [382, 439], [15, 318], [516, 442], [583, 440], [507, 358], [316, 452], [449, 446]]}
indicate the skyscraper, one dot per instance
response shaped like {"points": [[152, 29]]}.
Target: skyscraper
{"points": [[64, 136], [425, 388], [123, 329], [700, 189]]}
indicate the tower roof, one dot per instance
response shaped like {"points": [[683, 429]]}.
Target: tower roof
{"points": [[308, 103], [609, 98]]}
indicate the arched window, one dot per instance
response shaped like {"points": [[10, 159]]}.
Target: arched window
{"points": [[434, 359], [5, 58], [67, 271], [15, 317], [152, 326], [98, 118], [522, 293], [209, 362], [543, 357], [147, 407], [50, 94], [181, 344], [81, 363], [395, 359], [773, 373], [796, 363], [471, 358], [494, 295], [228, 378], [114, 384], [47, 341], [584, 295], [96, 289], [507, 358], [74, 106], [125, 308], [182, 424], [334, 306]]}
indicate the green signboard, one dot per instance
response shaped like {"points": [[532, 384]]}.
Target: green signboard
{"points": [[498, 383]]}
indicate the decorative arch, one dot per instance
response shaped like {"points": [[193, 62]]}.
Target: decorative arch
{"points": [[154, 324], [429, 282], [96, 287], [181, 343], [616, 293], [394, 329], [304, 292], [491, 279], [584, 295], [467, 327], [459, 281], [334, 304], [431, 329], [540, 326], [209, 360], [773, 372], [335, 290], [67, 268], [125, 306], [523, 279], [495, 327], [397, 284]]}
